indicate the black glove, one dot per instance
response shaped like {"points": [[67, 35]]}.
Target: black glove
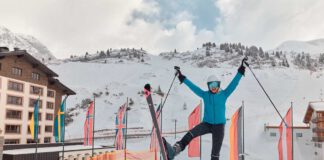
{"points": [[180, 76], [148, 87], [241, 69]]}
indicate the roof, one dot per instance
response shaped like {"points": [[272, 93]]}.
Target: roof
{"points": [[313, 106], [65, 89], [35, 62], [295, 127]]}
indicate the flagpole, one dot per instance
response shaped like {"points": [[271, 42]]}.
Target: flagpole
{"points": [[243, 147], [63, 138], [93, 125], [125, 152], [37, 124], [161, 122], [200, 121], [292, 131]]}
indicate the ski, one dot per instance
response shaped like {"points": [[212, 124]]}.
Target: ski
{"points": [[148, 96]]}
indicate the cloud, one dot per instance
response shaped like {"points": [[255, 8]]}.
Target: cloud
{"points": [[78, 26], [268, 23]]}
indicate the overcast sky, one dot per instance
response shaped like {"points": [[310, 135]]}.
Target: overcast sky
{"points": [[75, 26]]}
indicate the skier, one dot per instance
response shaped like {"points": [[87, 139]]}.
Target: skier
{"points": [[214, 112]]}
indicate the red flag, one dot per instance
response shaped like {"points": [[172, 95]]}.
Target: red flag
{"points": [[236, 137], [120, 127], [88, 126], [194, 145], [285, 140]]}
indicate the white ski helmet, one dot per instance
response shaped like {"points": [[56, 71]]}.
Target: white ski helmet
{"points": [[212, 78]]}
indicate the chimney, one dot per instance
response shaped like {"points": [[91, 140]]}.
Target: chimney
{"points": [[4, 49], [16, 49]]}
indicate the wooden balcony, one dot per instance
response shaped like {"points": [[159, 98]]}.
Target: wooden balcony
{"points": [[318, 130], [318, 120], [318, 139]]}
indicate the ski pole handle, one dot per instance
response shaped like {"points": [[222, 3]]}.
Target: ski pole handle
{"points": [[177, 68], [245, 59]]}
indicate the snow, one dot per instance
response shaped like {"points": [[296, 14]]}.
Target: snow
{"points": [[25, 42], [126, 79], [312, 47], [318, 106]]}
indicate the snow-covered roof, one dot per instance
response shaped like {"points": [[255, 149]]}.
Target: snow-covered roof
{"points": [[313, 106], [317, 106]]}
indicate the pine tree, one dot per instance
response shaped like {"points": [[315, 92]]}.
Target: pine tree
{"points": [[321, 58], [266, 55]]}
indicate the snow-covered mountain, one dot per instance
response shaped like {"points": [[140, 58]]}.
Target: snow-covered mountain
{"points": [[26, 42], [313, 47], [115, 78]]}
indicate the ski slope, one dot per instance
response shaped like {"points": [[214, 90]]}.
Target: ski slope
{"points": [[127, 78]]}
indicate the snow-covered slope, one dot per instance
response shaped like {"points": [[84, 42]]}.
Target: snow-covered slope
{"points": [[312, 47], [117, 80], [26, 42]]}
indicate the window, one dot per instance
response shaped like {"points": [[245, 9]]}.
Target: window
{"points": [[33, 101], [13, 114], [14, 100], [30, 114], [36, 90], [49, 129], [47, 140], [50, 105], [15, 86], [50, 93], [49, 116], [273, 134], [299, 134], [31, 141], [35, 76], [39, 130], [16, 71], [15, 129], [12, 141]]}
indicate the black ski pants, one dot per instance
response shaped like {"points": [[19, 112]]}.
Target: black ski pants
{"points": [[217, 131]]}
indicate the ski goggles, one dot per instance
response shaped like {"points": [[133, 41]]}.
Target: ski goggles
{"points": [[214, 84]]}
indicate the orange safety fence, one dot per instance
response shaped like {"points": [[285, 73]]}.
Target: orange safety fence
{"points": [[130, 155]]}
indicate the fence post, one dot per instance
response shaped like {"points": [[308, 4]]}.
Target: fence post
{"points": [[1, 144]]}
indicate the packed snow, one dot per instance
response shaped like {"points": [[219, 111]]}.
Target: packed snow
{"points": [[312, 47], [127, 78]]}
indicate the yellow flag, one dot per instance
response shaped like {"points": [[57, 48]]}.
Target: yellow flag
{"points": [[31, 125]]}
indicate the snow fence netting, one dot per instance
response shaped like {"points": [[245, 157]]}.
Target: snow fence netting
{"points": [[130, 155]]}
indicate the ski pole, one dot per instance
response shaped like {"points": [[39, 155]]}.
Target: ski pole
{"points": [[177, 68], [166, 97], [274, 106]]}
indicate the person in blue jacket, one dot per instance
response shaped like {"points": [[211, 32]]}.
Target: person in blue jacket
{"points": [[214, 112]]}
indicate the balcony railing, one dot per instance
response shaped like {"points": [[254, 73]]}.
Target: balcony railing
{"points": [[318, 139], [318, 120], [318, 130]]}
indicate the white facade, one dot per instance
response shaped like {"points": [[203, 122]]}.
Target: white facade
{"points": [[303, 144], [25, 109]]}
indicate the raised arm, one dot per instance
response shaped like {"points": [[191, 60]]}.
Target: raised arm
{"points": [[240, 72], [199, 92], [183, 79], [231, 87]]}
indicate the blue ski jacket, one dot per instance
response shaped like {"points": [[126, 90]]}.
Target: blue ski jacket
{"points": [[214, 111]]}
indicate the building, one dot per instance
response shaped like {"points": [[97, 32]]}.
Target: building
{"points": [[24, 79], [301, 132], [315, 118]]}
